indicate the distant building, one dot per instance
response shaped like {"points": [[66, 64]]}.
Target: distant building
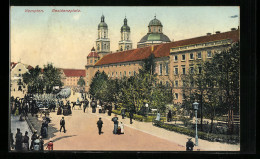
{"points": [[70, 77], [16, 72]]}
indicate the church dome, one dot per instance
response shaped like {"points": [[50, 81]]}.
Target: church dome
{"points": [[155, 37], [155, 22]]}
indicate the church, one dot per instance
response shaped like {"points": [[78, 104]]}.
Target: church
{"points": [[172, 58]]}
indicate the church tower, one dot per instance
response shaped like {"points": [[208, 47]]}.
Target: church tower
{"points": [[102, 42], [125, 43]]}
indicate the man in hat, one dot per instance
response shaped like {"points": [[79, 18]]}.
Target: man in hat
{"points": [[26, 141], [99, 125], [41, 143], [18, 141], [62, 124], [33, 138]]}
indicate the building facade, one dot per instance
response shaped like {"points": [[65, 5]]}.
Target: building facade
{"points": [[17, 70], [70, 77], [172, 59]]}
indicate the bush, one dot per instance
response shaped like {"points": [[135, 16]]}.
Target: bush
{"points": [[232, 139]]}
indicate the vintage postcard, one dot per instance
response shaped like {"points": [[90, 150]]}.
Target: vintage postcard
{"points": [[96, 78]]}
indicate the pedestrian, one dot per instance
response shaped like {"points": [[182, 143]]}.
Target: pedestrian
{"points": [[85, 105], [189, 145], [25, 144], [44, 130], [123, 113], [158, 117], [18, 140], [115, 120], [131, 115], [36, 144], [33, 138], [50, 146], [122, 127], [169, 116], [99, 125], [41, 143], [62, 124]]}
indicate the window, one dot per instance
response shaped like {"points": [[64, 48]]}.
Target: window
{"points": [[200, 69], [166, 69], [176, 70], [90, 61], [176, 95], [120, 74], [134, 73], [191, 69], [199, 55], [209, 55], [129, 73], [87, 83], [183, 70], [124, 73], [160, 69], [176, 83], [112, 74], [116, 74], [183, 57], [176, 58], [160, 82], [191, 56]]}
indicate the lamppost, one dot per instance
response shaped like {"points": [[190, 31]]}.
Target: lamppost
{"points": [[195, 107], [146, 105]]}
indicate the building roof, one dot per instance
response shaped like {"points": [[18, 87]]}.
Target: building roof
{"points": [[93, 54], [74, 72], [163, 50], [13, 64]]}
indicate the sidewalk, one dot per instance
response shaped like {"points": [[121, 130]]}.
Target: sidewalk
{"points": [[172, 136]]}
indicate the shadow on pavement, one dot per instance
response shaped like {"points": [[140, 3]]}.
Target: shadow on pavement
{"points": [[59, 138]]}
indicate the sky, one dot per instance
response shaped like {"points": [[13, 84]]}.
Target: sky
{"points": [[65, 39]]}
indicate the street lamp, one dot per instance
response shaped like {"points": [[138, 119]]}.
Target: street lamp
{"points": [[195, 107], [146, 105]]}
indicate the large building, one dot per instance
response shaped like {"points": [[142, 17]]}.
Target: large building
{"points": [[172, 58]]}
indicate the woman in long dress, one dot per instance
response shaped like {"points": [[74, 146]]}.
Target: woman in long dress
{"points": [[122, 127]]}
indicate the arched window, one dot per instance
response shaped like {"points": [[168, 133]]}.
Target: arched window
{"points": [[98, 47], [104, 34]]}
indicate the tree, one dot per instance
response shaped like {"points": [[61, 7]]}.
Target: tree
{"points": [[81, 83], [51, 77], [33, 80]]}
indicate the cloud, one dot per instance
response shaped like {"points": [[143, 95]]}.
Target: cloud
{"points": [[76, 16]]}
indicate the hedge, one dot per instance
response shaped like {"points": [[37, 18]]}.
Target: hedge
{"points": [[138, 117], [231, 139]]}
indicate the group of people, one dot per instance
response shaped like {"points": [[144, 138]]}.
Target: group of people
{"points": [[64, 109], [22, 142], [118, 126]]}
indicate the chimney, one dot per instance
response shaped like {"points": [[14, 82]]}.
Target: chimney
{"points": [[217, 32], [208, 34], [233, 29]]}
